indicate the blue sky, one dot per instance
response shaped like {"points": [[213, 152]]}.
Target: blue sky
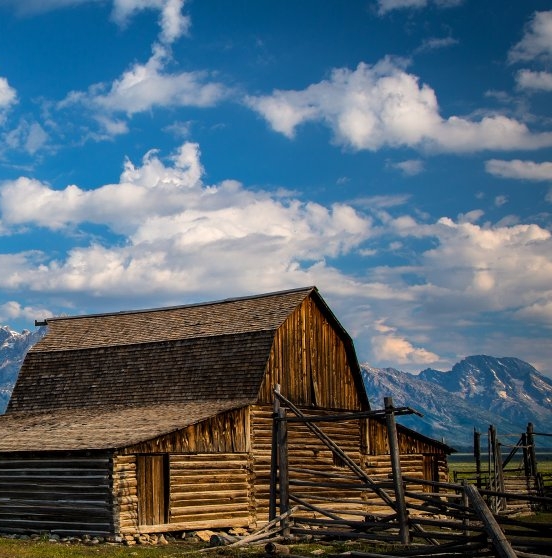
{"points": [[397, 154]]}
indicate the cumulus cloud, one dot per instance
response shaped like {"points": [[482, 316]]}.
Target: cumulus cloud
{"points": [[383, 105], [385, 6], [536, 41], [387, 346], [488, 268], [520, 170], [181, 235], [170, 236], [536, 81], [12, 310], [147, 86]]}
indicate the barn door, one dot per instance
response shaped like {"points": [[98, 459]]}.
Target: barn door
{"points": [[152, 473], [431, 471]]}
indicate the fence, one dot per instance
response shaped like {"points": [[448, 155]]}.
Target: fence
{"points": [[437, 518]]}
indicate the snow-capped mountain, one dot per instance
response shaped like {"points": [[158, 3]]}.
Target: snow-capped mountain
{"points": [[13, 348], [479, 391]]}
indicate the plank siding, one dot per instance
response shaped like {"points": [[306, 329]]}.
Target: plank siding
{"points": [[311, 363], [62, 494], [223, 433]]}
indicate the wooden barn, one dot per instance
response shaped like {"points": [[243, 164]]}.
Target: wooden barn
{"points": [[161, 420]]}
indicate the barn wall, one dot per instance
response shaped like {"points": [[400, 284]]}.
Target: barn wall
{"points": [[431, 463], [307, 452], [125, 494], [225, 433], [210, 491], [310, 362], [206, 491], [64, 494]]}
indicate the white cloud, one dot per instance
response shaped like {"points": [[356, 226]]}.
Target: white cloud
{"points": [[13, 310], [8, 97], [382, 105], [536, 41], [520, 170], [436, 43], [178, 237], [410, 167], [173, 22], [147, 86], [389, 5], [181, 235], [537, 81], [389, 347], [488, 269]]}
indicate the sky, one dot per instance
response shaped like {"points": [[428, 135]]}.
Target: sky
{"points": [[397, 154]]}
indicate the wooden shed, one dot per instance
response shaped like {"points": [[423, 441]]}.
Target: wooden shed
{"points": [[160, 420]]}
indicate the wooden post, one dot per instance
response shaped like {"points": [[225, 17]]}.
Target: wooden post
{"points": [[498, 538], [283, 469], [466, 516], [498, 473], [402, 515], [532, 450], [274, 456], [526, 462], [477, 456]]}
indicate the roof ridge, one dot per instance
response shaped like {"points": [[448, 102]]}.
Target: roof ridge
{"points": [[182, 306]]}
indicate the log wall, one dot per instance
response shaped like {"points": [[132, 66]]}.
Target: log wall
{"points": [[210, 491], [125, 494], [62, 494]]}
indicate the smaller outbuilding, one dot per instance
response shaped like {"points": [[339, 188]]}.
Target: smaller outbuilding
{"points": [[161, 420]]}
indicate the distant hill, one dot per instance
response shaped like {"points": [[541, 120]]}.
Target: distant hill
{"points": [[479, 391]]}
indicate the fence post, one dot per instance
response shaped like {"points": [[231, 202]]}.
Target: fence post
{"points": [[283, 469], [532, 450], [498, 474], [274, 455], [477, 456], [396, 467]]}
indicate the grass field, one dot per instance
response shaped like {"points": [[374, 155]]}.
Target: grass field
{"points": [[42, 549], [463, 462]]}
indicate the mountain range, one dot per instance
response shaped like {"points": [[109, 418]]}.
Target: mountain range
{"points": [[479, 391]]}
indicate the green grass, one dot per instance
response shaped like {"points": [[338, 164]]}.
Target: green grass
{"points": [[10, 548]]}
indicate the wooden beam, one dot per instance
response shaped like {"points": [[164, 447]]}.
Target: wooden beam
{"points": [[402, 514], [498, 538]]}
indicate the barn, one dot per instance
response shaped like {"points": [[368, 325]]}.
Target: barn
{"points": [[161, 420]]}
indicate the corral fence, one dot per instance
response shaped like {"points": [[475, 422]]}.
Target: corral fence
{"points": [[416, 516], [509, 468]]}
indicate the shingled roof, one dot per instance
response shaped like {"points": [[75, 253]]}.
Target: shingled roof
{"points": [[91, 377]]}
